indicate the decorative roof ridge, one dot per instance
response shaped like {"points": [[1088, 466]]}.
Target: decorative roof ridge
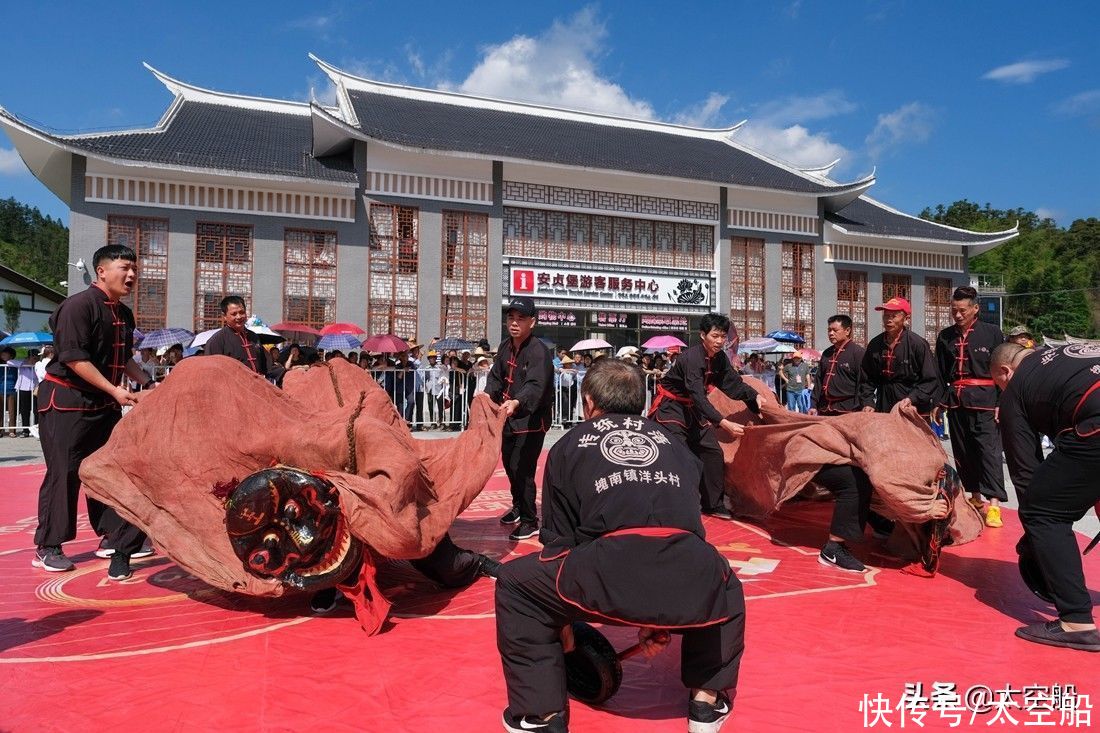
{"points": [[801, 172], [350, 82], [821, 171], [875, 202], [193, 93]]}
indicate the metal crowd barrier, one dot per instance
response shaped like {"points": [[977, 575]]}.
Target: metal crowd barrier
{"points": [[19, 406]]}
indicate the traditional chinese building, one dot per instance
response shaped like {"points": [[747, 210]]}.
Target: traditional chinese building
{"points": [[418, 212]]}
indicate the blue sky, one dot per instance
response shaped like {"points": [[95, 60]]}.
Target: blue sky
{"points": [[995, 102]]}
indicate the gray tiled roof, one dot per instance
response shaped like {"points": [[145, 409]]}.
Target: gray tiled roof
{"points": [[450, 127], [864, 217], [203, 135]]}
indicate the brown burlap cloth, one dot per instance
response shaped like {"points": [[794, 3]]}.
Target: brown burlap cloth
{"points": [[213, 421], [782, 450]]}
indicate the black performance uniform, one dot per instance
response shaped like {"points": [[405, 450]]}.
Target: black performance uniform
{"points": [[526, 375], [899, 369], [970, 398], [839, 386], [76, 419], [682, 407], [246, 348], [1056, 393], [623, 543]]}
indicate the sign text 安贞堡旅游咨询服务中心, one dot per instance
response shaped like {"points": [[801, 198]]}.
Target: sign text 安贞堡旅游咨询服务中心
{"points": [[638, 287]]}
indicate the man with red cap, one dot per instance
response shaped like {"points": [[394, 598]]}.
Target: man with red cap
{"points": [[898, 364], [969, 397]]}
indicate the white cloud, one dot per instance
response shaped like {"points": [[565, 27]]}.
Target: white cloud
{"points": [[794, 144], [703, 114], [10, 163], [557, 67], [910, 123], [793, 9], [1025, 72], [1080, 104], [1044, 213], [803, 109]]}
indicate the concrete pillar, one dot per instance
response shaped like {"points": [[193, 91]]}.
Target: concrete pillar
{"points": [[722, 255], [429, 275], [494, 291]]}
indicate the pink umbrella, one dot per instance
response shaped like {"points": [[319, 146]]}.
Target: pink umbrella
{"points": [[294, 331], [385, 344], [811, 354], [660, 343], [349, 328]]}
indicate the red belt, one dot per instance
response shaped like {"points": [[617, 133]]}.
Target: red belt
{"points": [[961, 384], [662, 395], [62, 382]]}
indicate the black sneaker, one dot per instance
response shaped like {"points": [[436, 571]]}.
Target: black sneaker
{"points": [[488, 567], [51, 559], [106, 552], [119, 568], [512, 517], [524, 530], [837, 555], [324, 600], [528, 723], [706, 718]]}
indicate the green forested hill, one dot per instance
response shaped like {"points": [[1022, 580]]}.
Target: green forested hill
{"points": [[1052, 275], [33, 244]]}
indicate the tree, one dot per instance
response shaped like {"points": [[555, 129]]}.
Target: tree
{"points": [[12, 311]]}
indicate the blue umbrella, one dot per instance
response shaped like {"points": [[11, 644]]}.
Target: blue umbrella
{"points": [[165, 337], [451, 343], [28, 338], [341, 341], [789, 336], [138, 335]]}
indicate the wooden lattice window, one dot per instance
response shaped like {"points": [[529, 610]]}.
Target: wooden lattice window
{"points": [[465, 311], [393, 263], [937, 307], [149, 240], [747, 286], [309, 277], [577, 237], [223, 266], [797, 306], [896, 286], [851, 301]]}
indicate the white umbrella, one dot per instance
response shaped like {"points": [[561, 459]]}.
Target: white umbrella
{"points": [[202, 338], [267, 336], [590, 344]]}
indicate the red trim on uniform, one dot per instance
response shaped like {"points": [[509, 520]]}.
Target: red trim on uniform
{"points": [[888, 370], [663, 532], [829, 377], [53, 406], [245, 344], [662, 395], [1080, 404], [560, 555]]}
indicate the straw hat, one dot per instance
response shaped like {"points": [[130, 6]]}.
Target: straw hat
{"points": [[566, 360]]}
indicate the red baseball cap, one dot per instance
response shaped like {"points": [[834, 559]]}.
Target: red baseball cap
{"points": [[896, 304]]}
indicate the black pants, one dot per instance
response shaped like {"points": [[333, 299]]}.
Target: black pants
{"points": [[530, 615], [1062, 489], [568, 398], [26, 401], [976, 446], [520, 453], [853, 499], [681, 421], [449, 565], [435, 408], [68, 437]]}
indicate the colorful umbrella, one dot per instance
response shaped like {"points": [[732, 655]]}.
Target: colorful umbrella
{"points": [[164, 337], [349, 328], [811, 354], [590, 345], [452, 343], [300, 332], [341, 341], [28, 339], [660, 343], [267, 336], [789, 336], [385, 344], [757, 344]]}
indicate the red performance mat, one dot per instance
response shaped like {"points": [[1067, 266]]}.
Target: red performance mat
{"points": [[825, 650]]}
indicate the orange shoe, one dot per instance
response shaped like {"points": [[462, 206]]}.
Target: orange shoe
{"points": [[993, 517]]}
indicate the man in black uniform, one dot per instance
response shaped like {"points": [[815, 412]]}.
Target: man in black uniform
{"points": [[962, 356], [1057, 393], [622, 543], [839, 386], [682, 407], [522, 381], [237, 342], [79, 404], [898, 364]]}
